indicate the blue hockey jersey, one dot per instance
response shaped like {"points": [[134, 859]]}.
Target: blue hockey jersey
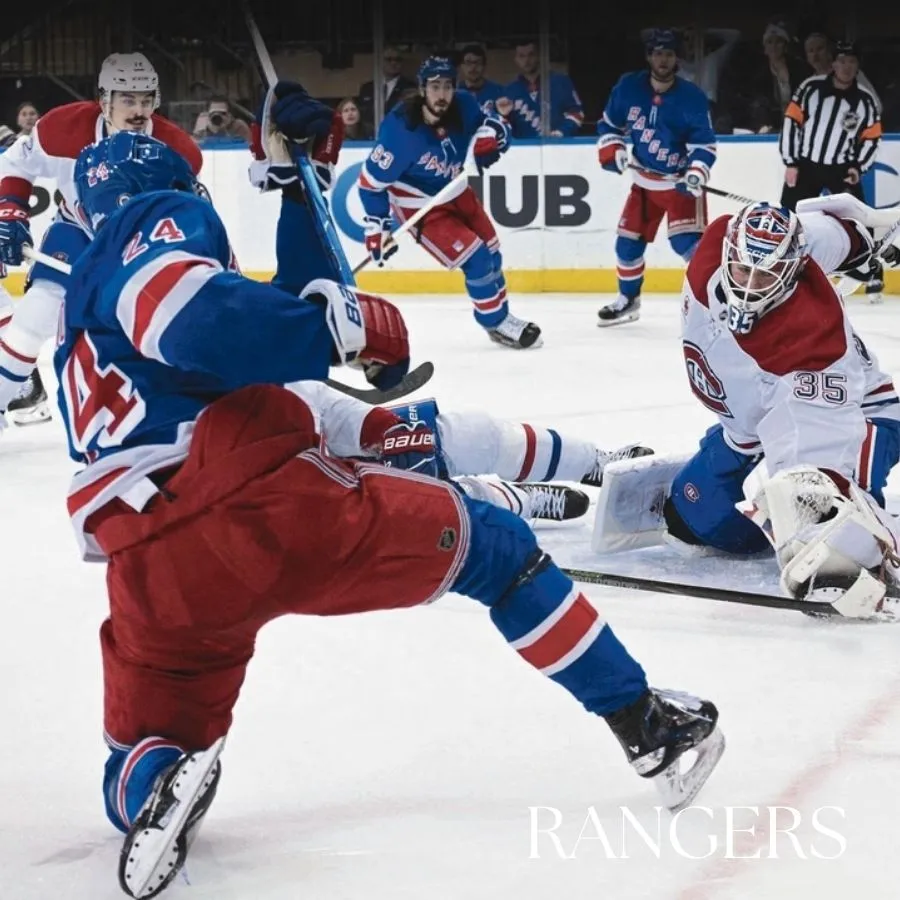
{"points": [[158, 324], [669, 131], [566, 110], [410, 163], [486, 95]]}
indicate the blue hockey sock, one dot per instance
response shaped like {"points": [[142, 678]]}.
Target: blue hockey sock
{"points": [[543, 615], [129, 777], [486, 288]]}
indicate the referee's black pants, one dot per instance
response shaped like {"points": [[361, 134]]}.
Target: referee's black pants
{"points": [[813, 178]]}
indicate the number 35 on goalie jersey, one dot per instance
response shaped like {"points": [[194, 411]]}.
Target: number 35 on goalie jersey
{"points": [[159, 323]]}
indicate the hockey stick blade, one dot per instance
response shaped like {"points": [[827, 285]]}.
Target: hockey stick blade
{"points": [[412, 381]]}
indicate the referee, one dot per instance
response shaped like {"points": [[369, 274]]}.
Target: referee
{"points": [[830, 134]]}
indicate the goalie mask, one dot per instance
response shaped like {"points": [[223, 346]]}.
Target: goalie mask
{"points": [[763, 253]]}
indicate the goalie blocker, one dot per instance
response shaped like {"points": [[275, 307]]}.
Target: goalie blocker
{"points": [[832, 540]]}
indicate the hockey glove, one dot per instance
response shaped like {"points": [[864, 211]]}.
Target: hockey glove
{"points": [[491, 142], [377, 236], [410, 446], [368, 331], [693, 181], [290, 114], [14, 231], [612, 155]]}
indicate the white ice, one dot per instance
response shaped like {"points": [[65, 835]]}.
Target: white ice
{"points": [[402, 755]]}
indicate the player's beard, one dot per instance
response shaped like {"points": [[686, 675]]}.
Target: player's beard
{"points": [[438, 113], [664, 76]]}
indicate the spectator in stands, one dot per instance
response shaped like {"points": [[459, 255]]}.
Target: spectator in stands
{"points": [[819, 51], [704, 54], [521, 102], [218, 123], [393, 84], [26, 115], [760, 87], [472, 80], [354, 128]]}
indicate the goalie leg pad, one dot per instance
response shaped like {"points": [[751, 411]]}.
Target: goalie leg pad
{"points": [[630, 504], [704, 494]]}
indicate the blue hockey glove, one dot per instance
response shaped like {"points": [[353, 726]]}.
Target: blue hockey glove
{"points": [[297, 115], [410, 446], [491, 142], [14, 232]]}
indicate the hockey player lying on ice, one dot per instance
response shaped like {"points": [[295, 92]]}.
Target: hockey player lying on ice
{"points": [[769, 349], [206, 490]]}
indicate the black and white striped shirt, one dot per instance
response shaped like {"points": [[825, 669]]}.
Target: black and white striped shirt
{"points": [[830, 127]]}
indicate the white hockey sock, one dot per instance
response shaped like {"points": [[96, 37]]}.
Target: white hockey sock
{"points": [[498, 493], [476, 443], [35, 320]]}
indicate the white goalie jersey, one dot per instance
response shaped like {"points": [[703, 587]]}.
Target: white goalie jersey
{"points": [[800, 385]]}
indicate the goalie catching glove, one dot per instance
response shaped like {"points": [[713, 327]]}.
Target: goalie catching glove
{"points": [[368, 332], [833, 543]]}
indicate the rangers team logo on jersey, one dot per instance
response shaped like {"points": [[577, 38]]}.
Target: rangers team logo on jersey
{"points": [[704, 383]]}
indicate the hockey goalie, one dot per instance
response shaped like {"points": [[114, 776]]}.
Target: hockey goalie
{"points": [[808, 425]]}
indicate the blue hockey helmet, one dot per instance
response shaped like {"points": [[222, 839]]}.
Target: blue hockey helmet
{"points": [[436, 67], [661, 39], [109, 173]]}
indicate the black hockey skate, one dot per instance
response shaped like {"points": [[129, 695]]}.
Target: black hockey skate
{"points": [[657, 729], [875, 283], [516, 333], [623, 309], [157, 844], [554, 501], [594, 478], [30, 406]]}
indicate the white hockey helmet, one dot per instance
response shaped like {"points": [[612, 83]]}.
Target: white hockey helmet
{"points": [[127, 72], [763, 253]]}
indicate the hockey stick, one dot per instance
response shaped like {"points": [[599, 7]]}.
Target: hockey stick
{"points": [[725, 595], [417, 217], [728, 195], [410, 382], [701, 592]]}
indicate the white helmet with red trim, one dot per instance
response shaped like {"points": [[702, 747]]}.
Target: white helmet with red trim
{"points": [[763, 253], [131, 72]]}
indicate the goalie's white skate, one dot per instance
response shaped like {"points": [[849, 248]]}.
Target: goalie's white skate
{"points": [[157, 844]]}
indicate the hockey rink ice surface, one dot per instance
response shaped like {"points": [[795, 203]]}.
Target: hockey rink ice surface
{"points": [[410, 755]]}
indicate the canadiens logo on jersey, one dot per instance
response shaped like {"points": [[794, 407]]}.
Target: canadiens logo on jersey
{"points": [[704, 382]]}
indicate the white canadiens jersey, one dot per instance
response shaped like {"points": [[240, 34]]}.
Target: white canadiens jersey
{"points": [[795, 387]]}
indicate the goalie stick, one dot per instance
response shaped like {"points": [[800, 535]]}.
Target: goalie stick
{"points": [[722, 595], [410, 382]]}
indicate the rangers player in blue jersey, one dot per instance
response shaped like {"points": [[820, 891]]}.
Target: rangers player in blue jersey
{"points": [[673, 150], [218, 510], [421, 147]]}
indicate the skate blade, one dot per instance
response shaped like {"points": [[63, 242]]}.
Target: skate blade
{"points": [[621, 320], [34, 416], [679, 788], [514, 345], [157, 853]]}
